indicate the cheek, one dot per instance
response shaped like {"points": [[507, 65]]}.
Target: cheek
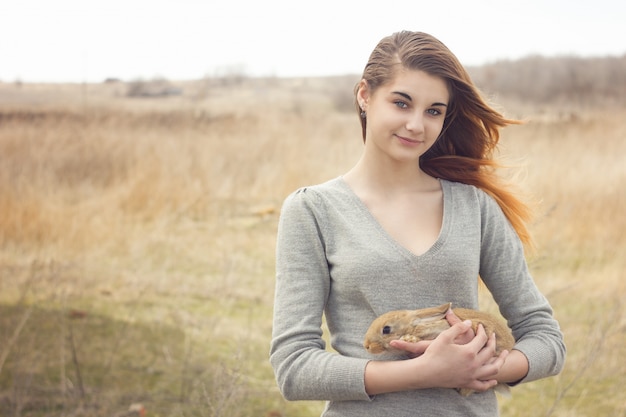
{"points": [[377, 127], [434, 128]]}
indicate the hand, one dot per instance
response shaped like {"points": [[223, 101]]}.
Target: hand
{"points": [[415, 349], [473, 365]]}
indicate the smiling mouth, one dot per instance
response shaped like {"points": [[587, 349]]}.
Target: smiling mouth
{"points": [[408, 140]]}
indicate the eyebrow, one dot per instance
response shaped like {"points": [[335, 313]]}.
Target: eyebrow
{"points": [[408, 97]]}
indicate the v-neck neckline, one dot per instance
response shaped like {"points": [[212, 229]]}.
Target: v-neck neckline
{"points": [[443, 231]]}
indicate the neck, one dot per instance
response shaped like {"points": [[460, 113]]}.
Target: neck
{"points": [[389, 178]]}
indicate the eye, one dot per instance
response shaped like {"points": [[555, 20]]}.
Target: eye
{"points": [[401, 104], [386, 330], [434, 112]]}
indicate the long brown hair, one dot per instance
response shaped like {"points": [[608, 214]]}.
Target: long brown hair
{"points": [[471, 131]]}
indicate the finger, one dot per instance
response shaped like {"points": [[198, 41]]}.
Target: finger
{"points": [[416, 348], [501, 358], [482, 385], [492, 368], [489, 349], [456, 330], [481, 339], [491, 343], [452, 318], [495, 358], [466, 337]]}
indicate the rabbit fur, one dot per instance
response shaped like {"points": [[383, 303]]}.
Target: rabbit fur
{"points": [[426, 324]]}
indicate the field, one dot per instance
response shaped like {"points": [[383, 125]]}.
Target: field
{"points": [[137, 243]]}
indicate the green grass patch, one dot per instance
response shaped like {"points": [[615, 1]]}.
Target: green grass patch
{"points": [[57, 362]]}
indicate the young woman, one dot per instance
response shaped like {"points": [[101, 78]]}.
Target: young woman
{"points": [[412, 225]]}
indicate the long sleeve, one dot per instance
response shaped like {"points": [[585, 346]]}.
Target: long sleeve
{"points": [[335, 261], [528, 312], [304, 369]]}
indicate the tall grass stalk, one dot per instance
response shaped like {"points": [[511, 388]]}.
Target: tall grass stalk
{"points": [[152, 223]]}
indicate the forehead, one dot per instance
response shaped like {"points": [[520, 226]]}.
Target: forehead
{"points": [[419, 84]]}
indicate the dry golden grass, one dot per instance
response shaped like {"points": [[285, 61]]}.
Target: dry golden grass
{"points": [[141, 232]]}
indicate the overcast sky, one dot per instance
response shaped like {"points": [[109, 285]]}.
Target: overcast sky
{"points": [[90, 40]]}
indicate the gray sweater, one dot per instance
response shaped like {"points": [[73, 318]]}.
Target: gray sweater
{"points": [[334, 258]]}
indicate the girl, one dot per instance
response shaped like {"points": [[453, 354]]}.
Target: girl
{"points": [[412, 225]]}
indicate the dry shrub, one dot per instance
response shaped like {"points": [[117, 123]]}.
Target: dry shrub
{"points": [[163, 212]]}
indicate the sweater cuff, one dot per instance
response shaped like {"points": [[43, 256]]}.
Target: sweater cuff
{"points": [[538, 360], [350, 380]]}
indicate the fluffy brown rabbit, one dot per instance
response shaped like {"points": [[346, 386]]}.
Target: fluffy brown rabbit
{"points": [[426, 324]]}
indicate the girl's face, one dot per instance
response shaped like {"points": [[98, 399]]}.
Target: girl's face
{"points": [[404, 116]]}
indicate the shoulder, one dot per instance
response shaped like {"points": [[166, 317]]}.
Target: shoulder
{"points": [[470, 196], [317, 199], [465, 193], [318, 194]]}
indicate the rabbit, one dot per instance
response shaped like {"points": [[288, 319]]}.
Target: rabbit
{"points": [[426, 324]]}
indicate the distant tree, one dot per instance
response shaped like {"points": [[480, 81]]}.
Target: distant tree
{"points": [[566, 78], [157, 87]]}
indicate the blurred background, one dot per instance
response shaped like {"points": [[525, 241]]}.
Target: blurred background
{"points": [[146, 149]]}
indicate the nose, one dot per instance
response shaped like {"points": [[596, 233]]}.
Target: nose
{"points": [[415, 122]]}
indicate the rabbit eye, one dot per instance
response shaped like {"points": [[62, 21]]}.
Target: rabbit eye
{"points": [[386, 330]]}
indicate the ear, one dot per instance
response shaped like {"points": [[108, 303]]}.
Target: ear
{"points": [[444, 308], [363, 94], [428, 319], [429, 315]]}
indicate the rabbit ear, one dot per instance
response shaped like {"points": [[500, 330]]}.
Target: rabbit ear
{"points": [[430, 314], [444, 307], [428, 319]]}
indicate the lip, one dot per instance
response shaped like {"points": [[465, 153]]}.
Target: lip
{"points": [[409, 141]]}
